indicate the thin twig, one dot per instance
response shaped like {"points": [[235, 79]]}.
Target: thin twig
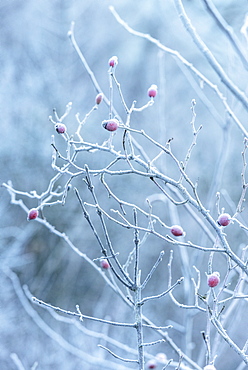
{"points": [[116, 356], [154, 267], [79, 314], [136, 242], [164, 293]]}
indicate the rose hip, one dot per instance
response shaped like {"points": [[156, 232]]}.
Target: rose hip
{"points": [[33, 214], [176, 230], [213, 279]]}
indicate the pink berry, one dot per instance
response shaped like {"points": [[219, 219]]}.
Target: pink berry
{"points": [[111, 124], [151, 364], [209, 367], [113, 61], [33, 214], [60, 128], [104, 264], [152, 91], [177, 230], [213, 279], [224, 219], [99, 98]]}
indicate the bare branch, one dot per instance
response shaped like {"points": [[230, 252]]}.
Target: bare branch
{"points": [[228, 31], [240, 95], [187, 64]]}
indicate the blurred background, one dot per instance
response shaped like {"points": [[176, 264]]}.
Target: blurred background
{"points": [[41, 71]]}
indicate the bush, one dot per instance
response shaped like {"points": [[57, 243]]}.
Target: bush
{"points": [[139, 206]]}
